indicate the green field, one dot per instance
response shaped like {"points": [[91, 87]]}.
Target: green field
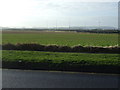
{"points": [[60, 60], [105, 63], [57, 57], [60, 38]]}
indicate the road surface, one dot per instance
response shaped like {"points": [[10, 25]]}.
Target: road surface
{"points": [[51, 79]]}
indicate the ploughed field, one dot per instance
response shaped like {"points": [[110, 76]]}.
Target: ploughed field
{"points": [[59, 38]]}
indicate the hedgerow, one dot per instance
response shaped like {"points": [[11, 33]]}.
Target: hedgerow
{"points": [[56, 48]]}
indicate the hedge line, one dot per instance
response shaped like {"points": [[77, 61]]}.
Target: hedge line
{"points": [[56, 48]]}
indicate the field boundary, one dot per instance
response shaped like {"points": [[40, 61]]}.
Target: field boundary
{"points": [[60, 67], [56, 48]]}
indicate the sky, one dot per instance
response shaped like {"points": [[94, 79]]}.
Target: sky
{"points": [[61, 13]]}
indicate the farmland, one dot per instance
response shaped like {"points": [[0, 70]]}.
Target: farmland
{"points": [[90, 62], [57, 57], [60, 38], [61, 61]]}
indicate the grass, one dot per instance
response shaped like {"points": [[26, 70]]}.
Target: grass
{"points": [[88, 62], [60, 38], [60, 61]]}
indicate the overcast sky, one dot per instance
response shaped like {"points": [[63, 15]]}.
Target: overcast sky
{"points": [[48, 13]]}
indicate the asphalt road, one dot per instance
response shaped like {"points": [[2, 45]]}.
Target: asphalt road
{"points": [[50, 79]]}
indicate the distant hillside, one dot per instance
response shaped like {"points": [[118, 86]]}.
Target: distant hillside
{"points": [[70, 28], [93, 27]]}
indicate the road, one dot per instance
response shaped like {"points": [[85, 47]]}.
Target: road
{"points": [[53, 79]]}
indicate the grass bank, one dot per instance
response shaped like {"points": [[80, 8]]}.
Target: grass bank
{"points": [[36, 60]]}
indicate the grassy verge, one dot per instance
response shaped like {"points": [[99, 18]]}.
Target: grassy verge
{"points": [[103, 63]]}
